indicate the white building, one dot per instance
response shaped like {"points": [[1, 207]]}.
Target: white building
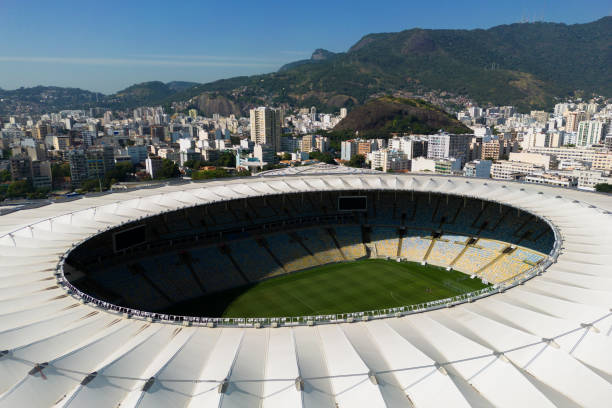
{"points": [[511, 170], [387, 159], [533, 158], [446, 145], [589, 132], [153, 165], [264, 153]]}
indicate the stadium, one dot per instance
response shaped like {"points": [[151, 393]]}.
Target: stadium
{"points": [[315, 287]]}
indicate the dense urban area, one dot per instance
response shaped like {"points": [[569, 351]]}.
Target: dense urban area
{"points": [[76, 151]]}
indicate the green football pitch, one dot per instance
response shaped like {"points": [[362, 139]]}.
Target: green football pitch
{"points": [[348, 287]]}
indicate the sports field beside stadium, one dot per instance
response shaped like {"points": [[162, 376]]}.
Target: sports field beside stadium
{"points": [[349, 287]]}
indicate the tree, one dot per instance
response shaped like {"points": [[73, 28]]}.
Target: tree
{"points": [[120, 172], [59, 170], [357, 160], [19, 188], [286, 156], [169, 169], [322, 157], [603, 188], [5, 175], [209, 174], [226, 159], [193, 164]]}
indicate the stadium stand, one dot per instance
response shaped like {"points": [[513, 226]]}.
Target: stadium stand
{"points": [[351, 244], [215, 269], [414, 248], [321, 244], [444, 252], [386, 241], [474, 259], [290, 252], [243, 241], [504, 268], [254, 260]]}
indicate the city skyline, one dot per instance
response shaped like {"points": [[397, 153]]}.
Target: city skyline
{"points": [[107, 49]]}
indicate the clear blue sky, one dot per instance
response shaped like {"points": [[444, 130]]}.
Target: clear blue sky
{"points": [[108, 45]]}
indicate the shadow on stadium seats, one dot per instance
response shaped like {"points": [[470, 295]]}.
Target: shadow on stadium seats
{"points": [[212, 305]]}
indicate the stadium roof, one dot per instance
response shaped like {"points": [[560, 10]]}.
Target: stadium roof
{"points": [[319, 168], [542, 344]]}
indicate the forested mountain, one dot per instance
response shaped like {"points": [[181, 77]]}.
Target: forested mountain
{"points": [[528, 65], [385, 115]]}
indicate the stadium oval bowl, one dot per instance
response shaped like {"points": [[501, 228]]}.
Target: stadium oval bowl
{"points": [[545, 342]]}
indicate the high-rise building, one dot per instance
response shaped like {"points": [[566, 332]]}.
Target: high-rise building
{"points": [[99, 160], [264, 153], [158, 132], [572, 120], [308, 143], [78, 167], [589, 132], [266, 127], [385, 160], [153, 166], [348, 149], [20, 167], [446, 145]]}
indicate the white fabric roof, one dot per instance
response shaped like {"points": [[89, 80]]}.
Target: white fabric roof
{"points": [[487, 353]]}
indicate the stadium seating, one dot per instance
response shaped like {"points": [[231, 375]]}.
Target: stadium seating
{"points": [[349, 238], [432, 227], [489, 244], [290, 252], [444, 252], [505, 268], [215, 269], [134, 289], [386, 241], [474, 259], [526, 256], [172, 275], [254, 260], [414, 248], [459, 239], [321, 245]]}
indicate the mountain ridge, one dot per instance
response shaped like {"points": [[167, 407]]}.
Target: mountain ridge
{"points": [[529, 65]]}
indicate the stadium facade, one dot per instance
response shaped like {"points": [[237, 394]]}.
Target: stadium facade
{"points": [[541, 339]]}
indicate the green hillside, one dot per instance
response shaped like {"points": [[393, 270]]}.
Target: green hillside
{"points": [[527, 65], [385, 115]]}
